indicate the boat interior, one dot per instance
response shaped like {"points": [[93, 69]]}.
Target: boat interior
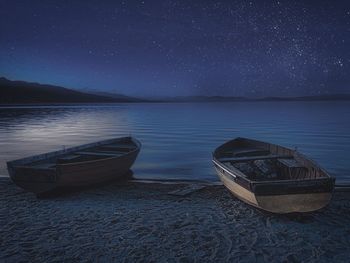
{"points": [[265, 162], [84, 154]]}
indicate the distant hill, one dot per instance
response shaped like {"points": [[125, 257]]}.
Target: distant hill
{"points": [[115, 96], [21, 92], [203, 99], [334, 97], [310, 98]]}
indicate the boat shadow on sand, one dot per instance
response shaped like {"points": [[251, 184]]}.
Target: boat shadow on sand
{"points": [[68, 191]]}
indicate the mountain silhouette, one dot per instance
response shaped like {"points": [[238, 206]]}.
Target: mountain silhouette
{"points": [[22, 92]]}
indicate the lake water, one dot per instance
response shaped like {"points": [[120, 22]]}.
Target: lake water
{"points": [[178, 138]]}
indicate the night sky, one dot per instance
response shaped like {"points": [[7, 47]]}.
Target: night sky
{"points": [[167, 48]]}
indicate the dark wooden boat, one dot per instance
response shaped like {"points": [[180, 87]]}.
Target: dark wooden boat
{"points": [[272, 177], [77, 166]]}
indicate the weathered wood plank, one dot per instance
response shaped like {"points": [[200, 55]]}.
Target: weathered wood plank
{"points": [[110, 152], [119, 145], [97, 154], [290, 163], [253, 158]]}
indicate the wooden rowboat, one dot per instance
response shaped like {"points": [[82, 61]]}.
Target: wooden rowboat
{"points": [[272, 177], [73, 167]]}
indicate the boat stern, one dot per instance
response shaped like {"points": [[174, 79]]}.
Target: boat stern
{"points": [[294, 197]]}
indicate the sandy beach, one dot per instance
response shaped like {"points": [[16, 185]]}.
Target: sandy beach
{"points": [[142, 222]]}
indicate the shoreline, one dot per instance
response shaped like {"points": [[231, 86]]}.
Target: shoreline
{"points": [[79, 104], [341, 187], [138, 221]]}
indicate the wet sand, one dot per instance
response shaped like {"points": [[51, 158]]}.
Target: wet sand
{"points": [[141, 222]]}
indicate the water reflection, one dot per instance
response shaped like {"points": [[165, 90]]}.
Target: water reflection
{"points": [[178, 138]]}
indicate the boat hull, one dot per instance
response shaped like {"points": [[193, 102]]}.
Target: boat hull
{"points": [[236, 189], [95, 172], [73, 174], [280, 203], [36, 181]]}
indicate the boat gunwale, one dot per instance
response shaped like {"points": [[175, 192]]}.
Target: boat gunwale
{"points": [[232, 170], [224, 167]]}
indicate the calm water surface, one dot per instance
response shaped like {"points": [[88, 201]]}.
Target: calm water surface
{"points": [[178, 138]]}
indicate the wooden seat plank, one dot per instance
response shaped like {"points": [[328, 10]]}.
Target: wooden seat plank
{"points": [[110, 152], [290, 163], [120, 145], [97, 154], [253, 158], [248, 151]]}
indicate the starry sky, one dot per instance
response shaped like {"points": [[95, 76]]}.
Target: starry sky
{"points": [[171, 48]]}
